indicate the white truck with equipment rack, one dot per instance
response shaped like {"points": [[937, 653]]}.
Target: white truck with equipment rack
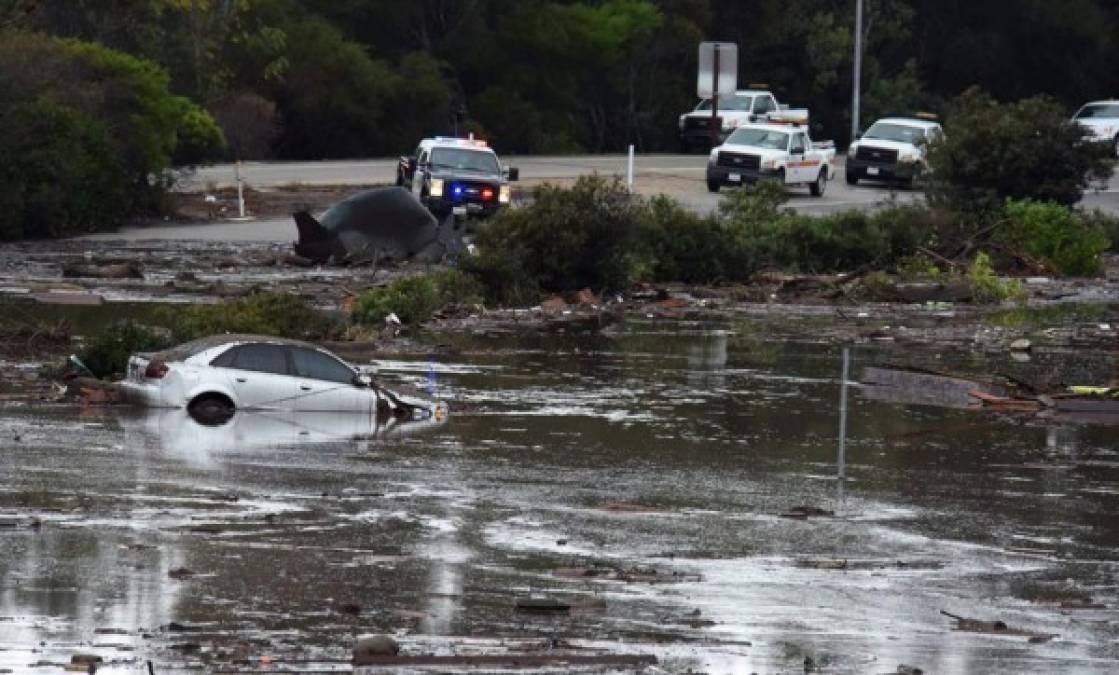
{"points": [[745, 106], [781, 152]]}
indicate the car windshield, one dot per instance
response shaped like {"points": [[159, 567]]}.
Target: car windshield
{"points": [[732, 102], [900, 133], [760, 138], [464, 159], [1098, 110]]}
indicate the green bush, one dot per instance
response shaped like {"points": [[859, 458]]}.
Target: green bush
{"points": [[415, 299], [567, 239], [679, 245], [994, 152], [1103, 222], [106, 353], [277, 314], [1056, 234], [764, 236]]}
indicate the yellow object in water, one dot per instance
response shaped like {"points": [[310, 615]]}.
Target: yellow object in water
{"points": [[1094, 391]]}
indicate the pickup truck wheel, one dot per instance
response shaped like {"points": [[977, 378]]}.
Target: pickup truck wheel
{"points": [[821, 185], [852, 177], [1117, 145]]}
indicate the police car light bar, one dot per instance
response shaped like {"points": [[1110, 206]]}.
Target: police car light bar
{"points": [[476, 142]]}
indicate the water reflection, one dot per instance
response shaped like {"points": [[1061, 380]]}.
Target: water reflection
{"points": [[175, 433]]}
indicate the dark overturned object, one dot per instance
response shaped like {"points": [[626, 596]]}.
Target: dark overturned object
{"points": [[382, 223]]}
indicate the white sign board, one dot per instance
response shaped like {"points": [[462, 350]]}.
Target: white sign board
{"points": [[728, 68]]}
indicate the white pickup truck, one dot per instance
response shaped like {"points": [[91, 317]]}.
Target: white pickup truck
{"points": [[1102, 119], [745, 106], [781, 152]]}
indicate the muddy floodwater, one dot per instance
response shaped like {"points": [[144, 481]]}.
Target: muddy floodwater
{"points": [[649, 482]]}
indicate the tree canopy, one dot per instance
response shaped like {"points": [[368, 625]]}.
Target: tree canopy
{"points": [[309, 78]]}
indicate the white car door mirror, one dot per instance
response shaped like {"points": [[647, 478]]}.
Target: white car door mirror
{"points": [[363, 380]]}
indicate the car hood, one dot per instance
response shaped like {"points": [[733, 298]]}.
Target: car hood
{"points": [[1102, 127], [883, 144], [751, 150]]}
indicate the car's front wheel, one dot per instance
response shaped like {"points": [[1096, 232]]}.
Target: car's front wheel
{"points": [[852, 177], [713, 185], [1117, 146], [211, 409]]}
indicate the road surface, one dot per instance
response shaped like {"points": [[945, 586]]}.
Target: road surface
{"points": [[678, 176]]}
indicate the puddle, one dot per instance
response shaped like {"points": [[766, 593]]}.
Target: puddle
{"points": [[660, 463]]}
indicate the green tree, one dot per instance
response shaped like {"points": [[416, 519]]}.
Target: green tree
{"points": [[88, 135], [1023, 150]]}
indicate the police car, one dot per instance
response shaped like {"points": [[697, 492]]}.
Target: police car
{"points": [[457, 175], [1102, 119], [893, 149]]}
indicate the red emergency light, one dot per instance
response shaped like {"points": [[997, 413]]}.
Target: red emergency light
{"points": [[487, 194]]}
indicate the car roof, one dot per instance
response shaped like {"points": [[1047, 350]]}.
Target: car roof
{"points": [[189, 349], [910, 122]]}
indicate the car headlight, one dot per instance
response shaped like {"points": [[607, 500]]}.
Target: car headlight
{"points": [[436, 189], [769, 164], [908, 157], [504, 195]]}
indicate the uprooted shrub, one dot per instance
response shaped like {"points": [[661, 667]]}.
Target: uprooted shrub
{"points": [[106, 353], [1054, 235], [415, 299], [987, 287], [276, 314]]}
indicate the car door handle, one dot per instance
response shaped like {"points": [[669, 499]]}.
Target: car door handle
{"points": [[305, 387], [241, 379]]}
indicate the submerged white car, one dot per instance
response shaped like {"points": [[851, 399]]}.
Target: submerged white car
{"points": [[1102, 119], [214, 376]]}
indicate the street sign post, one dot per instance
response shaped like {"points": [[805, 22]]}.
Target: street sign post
{"points": [[718, 75]]}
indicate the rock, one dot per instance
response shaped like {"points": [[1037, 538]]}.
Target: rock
{"points": [[1021, 345], [127, 270], [538, 604], [586, 297], [377, 645], [554, 303]]}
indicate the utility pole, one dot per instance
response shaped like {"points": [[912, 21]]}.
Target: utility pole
{"points": [[715, 101], [858, 69]]}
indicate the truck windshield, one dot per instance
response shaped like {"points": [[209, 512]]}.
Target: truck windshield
{"points": [[463, 159], [900, 133], [1098, 110], [732, 102], [760, 138]]}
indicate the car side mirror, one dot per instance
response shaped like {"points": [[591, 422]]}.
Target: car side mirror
{"points": [[363, 380], [512, 174]]}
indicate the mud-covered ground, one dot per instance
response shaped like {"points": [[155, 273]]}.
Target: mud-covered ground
{"points": [[647, 478]]}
